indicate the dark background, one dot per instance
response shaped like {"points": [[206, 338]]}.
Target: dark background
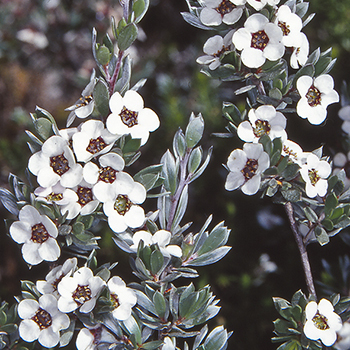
{"points": [[53, 78]]}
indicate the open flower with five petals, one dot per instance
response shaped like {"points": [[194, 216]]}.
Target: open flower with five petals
{"points": [[55, 194], [103, 177], [130, 117], [123, 210], [322, 322], [79, 291], [258, 40], [264, 120], [55, 162], [259, 4], [216, 12], [315, 172], [42, 320], [122, 297], [92, 140], [316, 94], [160, 238], [38, 235], [246, 167]]}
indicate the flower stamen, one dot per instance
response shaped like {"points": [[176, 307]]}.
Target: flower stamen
{"points": [[107, 174], [39, 233], [226, 6], [320, 321], [262, 127], [84, 195], [82, 294], [250, 169], [313, 96], [122, 204], [129, 118], [259, 40], [96, 145], [313, 176], [59, 164], [42, 318], [285, 27]]}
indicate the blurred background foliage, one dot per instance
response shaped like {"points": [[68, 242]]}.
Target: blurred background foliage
{"points": [[46, 60]]}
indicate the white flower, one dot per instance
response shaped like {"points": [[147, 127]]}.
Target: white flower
{"points": [[84, 203], [316, 94], [259, 4], [168, 344], [342, 161], [344, 114], [56, 194], [161, 238], [216, 12], [322, 322], [315, 173], [343, 339], [90, 338], [130, 117], [79, 291], [92, 140], [38, 235], [259, 40], [86, 103], [49, 286], [41, 320], [103, 177], [123, 211], [293, 151], [291, 25], [55, 162], [264, 120], [300, 53], [246, 167], [215, 48], [122, 297]]}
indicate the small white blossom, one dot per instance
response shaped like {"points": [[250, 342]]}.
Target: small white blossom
{"points": [[90, 338], [86, 103], [264, 120], [315, 172], [343, 339], [342, 161], [84, 203], [122, 297], [38, 235], [300, 53], [293, 151], [161, 238], [322, 322], [259, 40], [215, 48], [316, 94], [216, 12], [92, 140], [246, 167], [55, 162], [344, 114], [55, 194], [42, 320], [259, 4], [123, 211], [168, 344], [291, 25], [130, 117], [103, 177], [79, 291], [49, 286]]}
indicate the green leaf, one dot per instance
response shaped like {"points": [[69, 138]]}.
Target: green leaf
{"points": [[217, 238], [101, 97], [308, 69], [9, 201], [310, 214], [160, 304], [169, 172], [276, 94], [216, 339], [139, 8], [195, 159], [133, 328], [156, 262], [103, 55], [321, 235], [44, 127], [127, 36], [179, 144], [194, 130], [152, 345], [231, 112]]}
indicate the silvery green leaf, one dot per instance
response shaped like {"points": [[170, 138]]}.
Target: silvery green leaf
{"points": [[199, 338], [145, 302], [139, 85], [101, 97], [301, 9], [314, 57], [133, 328], [244, 89], [44, 127], [169, 172], [38, 143], [94, 46], [9, 201], [310, 214], [209, 258], [194, 130], [127, 36], [195, 159], [276, 94], [217, 237], [200, 171], [209, 313], [216, 339], [321, 235], [152, 345], [181, 208], [123, 82], [308, 69], [139, 8], [156, 262], [308, 19], [179, 144], [194, 21], [159, 304], [67, 334], [328, 68]]}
